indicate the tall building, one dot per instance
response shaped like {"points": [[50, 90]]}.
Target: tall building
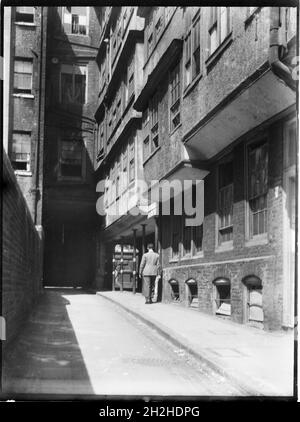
{"points": [[24, 46], [69, 188], [119, 160], [213, 99], [23, 101]]}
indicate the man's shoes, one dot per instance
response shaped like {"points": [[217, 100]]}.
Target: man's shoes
{"points": [[148, 302]]}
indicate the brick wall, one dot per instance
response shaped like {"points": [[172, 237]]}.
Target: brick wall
{"points": [[22, 255], [264, 260]]}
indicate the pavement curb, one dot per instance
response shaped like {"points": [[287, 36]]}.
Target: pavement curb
{"points": [[247, 390]]}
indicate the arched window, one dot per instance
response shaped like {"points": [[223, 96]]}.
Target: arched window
{"points": [[254, 312], [192, 293], [174, 290], [222, 296]]}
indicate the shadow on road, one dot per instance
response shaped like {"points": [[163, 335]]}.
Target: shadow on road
{"points": [[46, 358]]}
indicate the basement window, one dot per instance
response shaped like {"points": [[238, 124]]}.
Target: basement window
{"points": [[255, 314], [24, 14], [222, 296], [21, 149], [174, 290], [192, 293]]}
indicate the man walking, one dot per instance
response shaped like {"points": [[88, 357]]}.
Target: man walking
{"points": [[149, 270]]}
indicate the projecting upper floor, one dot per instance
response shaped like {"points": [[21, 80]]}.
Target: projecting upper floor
{"points": [[210, 75]]}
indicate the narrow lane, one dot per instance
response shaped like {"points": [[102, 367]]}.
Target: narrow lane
{"points": [[77, 343]]}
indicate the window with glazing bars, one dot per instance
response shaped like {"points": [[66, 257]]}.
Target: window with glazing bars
{"points": [[25, 14], [131, 162], [192, 238], [175, 97], [225, 202], [75, 20], [118, 174], [192, 44], [258, 188], [100, 137], [219, 26], [154, 122], [130, 77], [23, 75], [150, 39], [124, 168], [21, 150]]}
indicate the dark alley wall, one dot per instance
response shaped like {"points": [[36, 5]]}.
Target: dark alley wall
{"points": [[69, 211], [22, 255]]}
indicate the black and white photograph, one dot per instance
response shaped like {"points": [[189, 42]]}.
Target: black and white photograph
{"points": [[149, 204]]}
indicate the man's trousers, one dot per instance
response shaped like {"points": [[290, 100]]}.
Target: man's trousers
{"points": [[148, 286]]}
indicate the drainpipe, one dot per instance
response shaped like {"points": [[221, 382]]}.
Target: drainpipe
{"points": [[278, 67], [37, 149]]}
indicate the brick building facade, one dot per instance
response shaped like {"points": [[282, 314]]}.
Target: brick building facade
{"points": [[218, 103], [126, 96], [22, 179]]}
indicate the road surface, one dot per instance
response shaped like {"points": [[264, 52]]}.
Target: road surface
{"points": [[77, 344]]}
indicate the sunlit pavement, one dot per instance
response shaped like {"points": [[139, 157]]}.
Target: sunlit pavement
{"points": [[82, 344], [260, 361]]}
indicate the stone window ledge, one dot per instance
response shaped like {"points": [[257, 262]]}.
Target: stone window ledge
{"points": [[257, 240]]}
